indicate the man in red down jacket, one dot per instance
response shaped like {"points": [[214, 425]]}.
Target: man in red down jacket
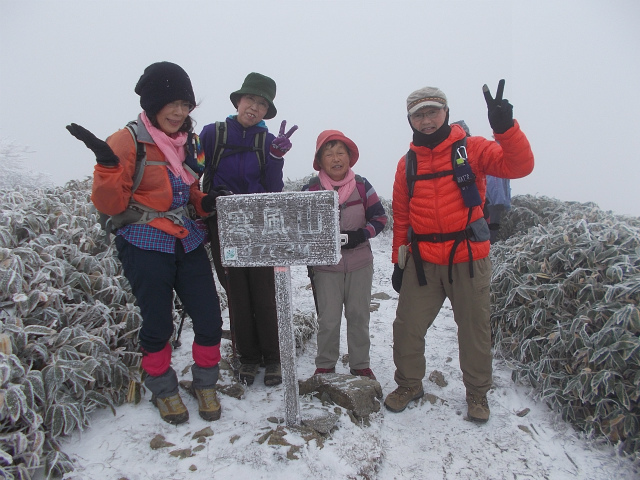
{"points": [[441, 239]]}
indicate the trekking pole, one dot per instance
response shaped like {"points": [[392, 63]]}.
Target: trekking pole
{"points": [[176, 343]]}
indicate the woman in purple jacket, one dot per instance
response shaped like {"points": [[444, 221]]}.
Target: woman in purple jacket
{"points": [[241, 170], [348, 284]]}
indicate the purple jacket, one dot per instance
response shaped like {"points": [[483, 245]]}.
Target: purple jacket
{"points": [[240, 172]]}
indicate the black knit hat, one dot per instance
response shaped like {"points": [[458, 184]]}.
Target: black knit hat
{"points": [[162, 83], [257, 84]]}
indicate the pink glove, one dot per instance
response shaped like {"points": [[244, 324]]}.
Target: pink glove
{"points": [[281, 144]]}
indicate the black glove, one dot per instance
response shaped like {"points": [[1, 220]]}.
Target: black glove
{"points": [[209, 202], [356, 237], [396, 278], [103, 152], [500, 110]]}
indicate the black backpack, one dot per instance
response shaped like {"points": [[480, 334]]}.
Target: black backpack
{"points": [[460, 170], [222, 149]]}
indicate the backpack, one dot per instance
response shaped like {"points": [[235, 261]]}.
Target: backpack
{"points": [[222, 149], [466, 180], [136, 213], [460, 170]]}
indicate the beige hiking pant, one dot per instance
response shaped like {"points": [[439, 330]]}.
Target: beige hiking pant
{"points": [[418, 307], [353, 291]]}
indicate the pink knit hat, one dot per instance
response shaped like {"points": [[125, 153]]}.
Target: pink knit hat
{"points": [[329, 135]]}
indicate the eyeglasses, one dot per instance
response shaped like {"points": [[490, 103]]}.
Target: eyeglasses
{"points": [[431, 113], [180, 104], [259, 102]]}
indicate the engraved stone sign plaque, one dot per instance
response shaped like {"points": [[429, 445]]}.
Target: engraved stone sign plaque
{"points": [[279, 230]]}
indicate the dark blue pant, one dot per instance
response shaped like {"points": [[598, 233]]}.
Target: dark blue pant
{"points": [[155, 275]]}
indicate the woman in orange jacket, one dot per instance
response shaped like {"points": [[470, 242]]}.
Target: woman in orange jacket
{"points": [[160, 245]]}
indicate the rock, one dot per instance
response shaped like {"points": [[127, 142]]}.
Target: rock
{"points": [[323, 425], [277, 437], [181, 453], [380, 296], [278, 420], [159, 442], [438, 378], [432, 399], [361, 395], [263, 438], [233, 439], [205, 432], [193, 468], [234, 390], [291, 453], [524, 412], [198, 448]]}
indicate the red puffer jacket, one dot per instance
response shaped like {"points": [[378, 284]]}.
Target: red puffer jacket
{"points": [[112, 185], [437, 205]]}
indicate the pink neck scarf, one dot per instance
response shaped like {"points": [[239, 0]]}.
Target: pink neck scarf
{"points": [[171, 147], [346, 186]]}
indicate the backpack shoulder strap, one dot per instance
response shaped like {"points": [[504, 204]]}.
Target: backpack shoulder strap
{"points": [[411, 166], [218, 148], [220, 145], [141, 155], [458, 151], [360, 186], [259, 145]]}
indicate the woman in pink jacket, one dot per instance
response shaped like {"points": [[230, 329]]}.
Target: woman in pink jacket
{"points": [[348, 284]]}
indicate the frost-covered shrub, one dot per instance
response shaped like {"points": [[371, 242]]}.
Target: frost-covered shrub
{"points": [[565, 295], [69, 325]]}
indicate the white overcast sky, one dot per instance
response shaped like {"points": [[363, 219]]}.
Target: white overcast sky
{"points": [[571, 68]]}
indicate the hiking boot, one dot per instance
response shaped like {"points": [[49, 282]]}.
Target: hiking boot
{"points": [[208, 404], [398, 400], [363, 372], [320, 371], [247, 373], [478, 407], [272, 375], [172, 410]]}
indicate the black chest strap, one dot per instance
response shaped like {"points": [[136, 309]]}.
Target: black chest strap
{"points": [[457, 237]]}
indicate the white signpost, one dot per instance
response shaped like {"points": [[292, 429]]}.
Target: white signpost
{"points": [[280, 230]]}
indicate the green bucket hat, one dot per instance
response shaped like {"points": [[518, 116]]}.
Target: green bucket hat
{"points": [[257, 84]]}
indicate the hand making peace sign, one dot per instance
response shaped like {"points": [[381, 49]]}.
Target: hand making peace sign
{"points": [[281, 144], [500, 110]]}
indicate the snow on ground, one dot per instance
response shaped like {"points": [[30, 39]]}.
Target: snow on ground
{"points": [[426, 441]]}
